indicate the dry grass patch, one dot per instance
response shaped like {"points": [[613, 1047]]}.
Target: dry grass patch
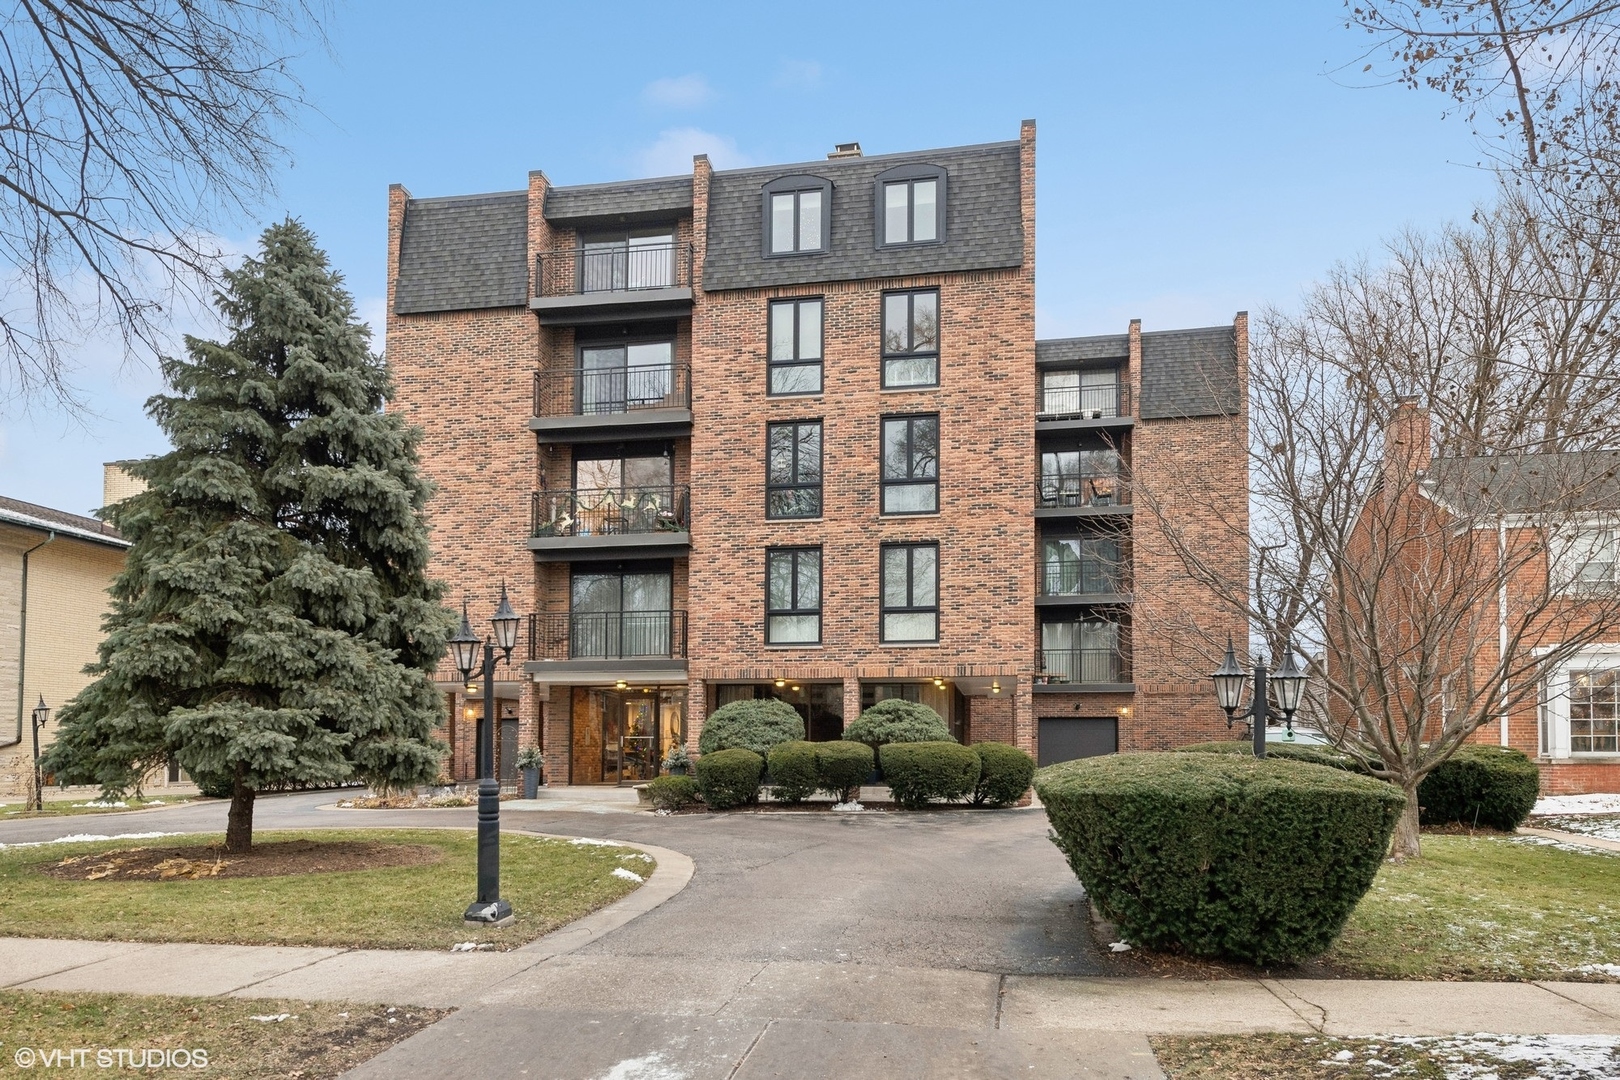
{"points": [[1451, 1057]]}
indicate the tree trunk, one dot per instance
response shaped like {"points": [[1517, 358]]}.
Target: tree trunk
{"points": [[239, 826], [1406, 829]]}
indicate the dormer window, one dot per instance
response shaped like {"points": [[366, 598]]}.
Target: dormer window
{"points": [[797, 215], [911, 205]]}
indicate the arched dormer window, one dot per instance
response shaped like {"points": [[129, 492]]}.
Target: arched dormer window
{"points": [[798, 215], [909, 204]]}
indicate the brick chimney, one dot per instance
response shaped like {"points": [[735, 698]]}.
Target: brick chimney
{"points": [[1407, 440]]}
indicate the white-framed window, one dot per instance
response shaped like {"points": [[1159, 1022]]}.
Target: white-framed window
{"points": [[1587, 559], [1580, 713]]}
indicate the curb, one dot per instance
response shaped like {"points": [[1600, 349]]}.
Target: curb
{"points": [[670, 876]]}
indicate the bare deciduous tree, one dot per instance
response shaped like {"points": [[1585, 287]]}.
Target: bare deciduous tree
{"points": [[1433, 576], [129, 129]]}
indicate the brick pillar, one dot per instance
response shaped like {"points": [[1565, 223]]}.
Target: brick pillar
{"points": [[697, 707], [852, 700], [1024, 714]]}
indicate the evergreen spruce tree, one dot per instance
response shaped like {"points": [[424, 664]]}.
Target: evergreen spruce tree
{"points": [[274, 623]]}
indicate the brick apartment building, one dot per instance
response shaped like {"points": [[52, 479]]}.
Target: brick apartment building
{"points": [[787, 432]]}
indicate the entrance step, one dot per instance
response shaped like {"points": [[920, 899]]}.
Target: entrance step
{"points": [[590, 800]]}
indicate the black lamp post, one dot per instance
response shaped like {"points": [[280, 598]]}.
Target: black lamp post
{"points": [[489, 909], [1288, 683], [42, 713]]}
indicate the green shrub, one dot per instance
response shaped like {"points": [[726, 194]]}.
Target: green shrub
{"points": [[672, 792], [728, 778], [1217, 854], [1004, 774], [1313, 755], [896, 721], [919, 772], [793, 771], [750, 725], [1480, 785], [842, 767]]}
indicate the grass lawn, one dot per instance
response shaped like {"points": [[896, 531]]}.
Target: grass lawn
{"points": [[549, 882], [19, 810], [314, 1039], [1487, 908], [1318, 1057]]}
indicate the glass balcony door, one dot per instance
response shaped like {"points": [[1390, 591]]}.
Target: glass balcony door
{"points": [[618, 262], [1086, 651], [1080, 477], [1079, 565], [619, 378], [616, 615], [1093, 393], [622, 494]]}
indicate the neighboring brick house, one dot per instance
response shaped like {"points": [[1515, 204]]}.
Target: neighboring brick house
{"points": [[54, 571], [1537, 537], [789, 434]]}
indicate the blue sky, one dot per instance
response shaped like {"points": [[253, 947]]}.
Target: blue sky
{"points": [[1194, 159]]}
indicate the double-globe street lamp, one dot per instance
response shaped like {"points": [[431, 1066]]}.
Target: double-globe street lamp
{"points": [[489, 909], [1287, 683]]}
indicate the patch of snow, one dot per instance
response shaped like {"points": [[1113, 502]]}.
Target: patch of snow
{"points": [[848, 808], [471, 946], [80, 838], [1557, 1057], [1555, 805], [154, 802], [648, 1067], [1611, 970], [642, 855], [102, 804], [1344, 1055], [274, 1018], [628, 875], [664, 813], [1119, 946], [585, 841]]}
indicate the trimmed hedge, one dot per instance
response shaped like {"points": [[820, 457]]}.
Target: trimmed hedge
{"points": [[842, 767], [1005, 773], [1217, 854], [793, 771], [750, 725], [728, 778], [1313, 755], [672, 792], [919, 772], [894, 720], [1480, 785]]}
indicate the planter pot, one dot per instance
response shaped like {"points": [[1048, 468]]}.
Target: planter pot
{"points": [[531, 783], [678, 770]]}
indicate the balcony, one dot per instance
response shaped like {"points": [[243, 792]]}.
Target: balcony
{"points": [[601, 646], [610, 282], [577, 404], [1096, 671], [1082, 494], [571, 524], [1086, 581], [1064, 404]]}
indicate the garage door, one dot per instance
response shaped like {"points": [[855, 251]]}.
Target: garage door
{"points": [[1064, 738]]}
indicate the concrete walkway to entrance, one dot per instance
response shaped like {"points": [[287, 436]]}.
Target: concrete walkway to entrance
{"points": [[806, 945]]}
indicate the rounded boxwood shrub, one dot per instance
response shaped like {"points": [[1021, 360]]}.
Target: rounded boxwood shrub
{"points": [[1218, 854], [1005, 773], [842, 767], [750, 725], [728, 778], [894, 720], [1313, 755], [1493, 786], [919, 772], [793, 771], [672, 792]]}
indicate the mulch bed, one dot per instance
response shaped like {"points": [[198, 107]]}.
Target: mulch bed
{"points": [[272, 859]]}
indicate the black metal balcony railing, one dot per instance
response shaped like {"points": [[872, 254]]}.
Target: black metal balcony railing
{"points": [[1085, 577], [611, 268], [1083, 666], [1082, 489], [609, 511], [612, 391], [608, 635], [1083, 402]]}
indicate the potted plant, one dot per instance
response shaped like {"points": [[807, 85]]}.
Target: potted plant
{"points": [[677, 762], [529, 762]]}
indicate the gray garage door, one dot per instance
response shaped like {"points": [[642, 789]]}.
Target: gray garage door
{"points": [[1064, 738]]}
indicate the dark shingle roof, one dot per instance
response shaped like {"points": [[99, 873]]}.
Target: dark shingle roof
{"points": [[631, 199], [33, 516], [983, 227], [1189, 373], [464, 252], [1570, 482], [1080, 349]]}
